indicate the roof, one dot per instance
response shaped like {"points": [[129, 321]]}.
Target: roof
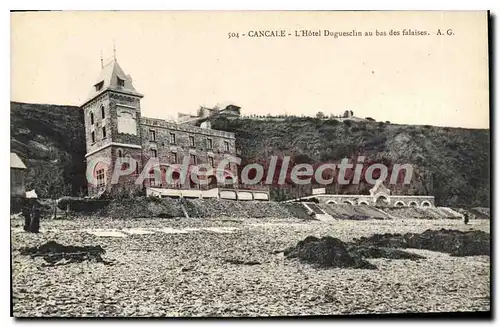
{"points": [[109, 77], [224, 104], [31, 194], [16, 162]]}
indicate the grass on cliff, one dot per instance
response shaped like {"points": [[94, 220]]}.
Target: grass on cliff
{"points": [[453, 164]]}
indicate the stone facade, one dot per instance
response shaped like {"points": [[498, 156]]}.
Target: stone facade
{"points": [[115, 128]]}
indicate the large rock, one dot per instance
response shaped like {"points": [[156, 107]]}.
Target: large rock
{"points": [[371, 252], [54, 253], [454, 242], [326, 252]]}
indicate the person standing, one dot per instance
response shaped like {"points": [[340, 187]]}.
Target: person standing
{"points": [[35, 218], [26, 212]]}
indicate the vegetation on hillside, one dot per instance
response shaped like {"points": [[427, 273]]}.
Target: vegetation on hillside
{"points": [[453, 164]]}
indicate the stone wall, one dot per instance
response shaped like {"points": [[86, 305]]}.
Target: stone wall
{"points": [[377, 200]]}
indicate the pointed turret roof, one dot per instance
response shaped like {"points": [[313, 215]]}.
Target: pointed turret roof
{"points": [[112, 78]]}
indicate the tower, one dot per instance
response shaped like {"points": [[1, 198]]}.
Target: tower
{"points": [[112, 114]]}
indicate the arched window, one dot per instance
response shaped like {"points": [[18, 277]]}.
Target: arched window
{"points": [[176, 176], [126, 160]]}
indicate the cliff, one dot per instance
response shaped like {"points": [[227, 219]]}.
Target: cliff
{"points": [[51, 141], [453, 164]]}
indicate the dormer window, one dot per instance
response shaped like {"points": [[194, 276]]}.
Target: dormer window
{"points": [[99, 86], [121, 82]]}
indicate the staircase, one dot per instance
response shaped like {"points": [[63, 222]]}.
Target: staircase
{"points": [[316, 212]]}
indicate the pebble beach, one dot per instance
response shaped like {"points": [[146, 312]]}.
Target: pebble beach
{"points": [[230, 267]]}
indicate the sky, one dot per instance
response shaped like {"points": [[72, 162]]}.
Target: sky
{"points": [[181, 60]]}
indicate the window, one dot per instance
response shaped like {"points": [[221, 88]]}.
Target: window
{"points": [[104, 132], [126, 162], [121, 82], [153, 181], [172, 138], [120, 154], [152, 135], [154, 153], [191, 141], [98, 86], [137, 168], [226, 146], [209, 144], [174, 157], [92, 136], [102, 112], [91, 118], [192, 159], [211, 161], [101, 181]]}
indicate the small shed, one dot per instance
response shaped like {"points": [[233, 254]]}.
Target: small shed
{"points": [[17, 172]]}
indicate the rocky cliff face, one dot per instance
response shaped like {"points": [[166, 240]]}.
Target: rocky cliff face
{"points": [[51, 141]]}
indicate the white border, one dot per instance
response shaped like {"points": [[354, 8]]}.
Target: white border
{"points": [[196, 5]]}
